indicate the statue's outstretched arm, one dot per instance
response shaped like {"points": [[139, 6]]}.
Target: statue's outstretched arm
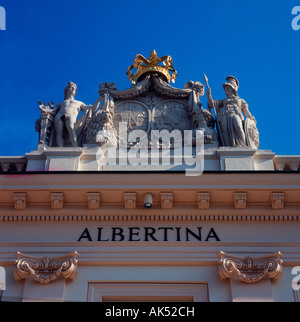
{"points": [[96, 105]]}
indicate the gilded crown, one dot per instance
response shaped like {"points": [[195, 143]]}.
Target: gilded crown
{"points": [[151, 64]]}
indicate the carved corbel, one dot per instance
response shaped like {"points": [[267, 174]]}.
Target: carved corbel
{"points": [[294, 166], [166, 200], [5, 167], [57, 200], [203, 200], [240, 200], [130, 200], [45, 269], [277, 200], [20, 167], [93, 200], [248, 269], [279, 166], [20, 200]]}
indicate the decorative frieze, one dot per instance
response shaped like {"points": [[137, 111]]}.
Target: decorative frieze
{"points": [[166, 200], [93, 199], [57, 200], [108, 216], [277, 200], [248, 269], [130, 200], [45, 269], [240, 200], [20, 200], [203, 200]]}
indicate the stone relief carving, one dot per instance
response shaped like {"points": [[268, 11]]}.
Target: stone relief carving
{"points": [[171, 115], [45, 269], [249, 269], [150, 104], [134, 113]]}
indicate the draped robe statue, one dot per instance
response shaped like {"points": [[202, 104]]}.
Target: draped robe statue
{"points": [[233, 129]]}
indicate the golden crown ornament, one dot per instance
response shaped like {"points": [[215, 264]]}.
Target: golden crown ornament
{"points": [[151, 64]]}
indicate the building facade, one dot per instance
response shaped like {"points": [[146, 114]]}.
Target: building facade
{"points": [[76, 228]]}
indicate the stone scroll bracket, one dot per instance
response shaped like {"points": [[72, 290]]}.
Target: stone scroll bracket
{"points": [[45, 270], [250, 278], [249, 269]]}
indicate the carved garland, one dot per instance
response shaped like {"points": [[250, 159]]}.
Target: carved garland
{"points": [[45, 269], [248, 269]]}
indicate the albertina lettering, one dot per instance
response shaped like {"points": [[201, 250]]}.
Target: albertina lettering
{"points": [[149, 234]]}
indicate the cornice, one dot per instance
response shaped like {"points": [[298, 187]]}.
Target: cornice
{"points": [[162, 180], [119, 197]]}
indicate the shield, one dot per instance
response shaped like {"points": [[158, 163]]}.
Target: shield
{"points": [[171, 115], [134, 113], [251, 133]]}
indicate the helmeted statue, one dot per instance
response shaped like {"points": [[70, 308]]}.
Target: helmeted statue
{"points": [[234, 131]]}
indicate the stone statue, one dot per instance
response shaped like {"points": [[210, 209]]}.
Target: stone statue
{"points": [[229, 112], [66, 114], [202, 119], [44, 123], [101, 124]]}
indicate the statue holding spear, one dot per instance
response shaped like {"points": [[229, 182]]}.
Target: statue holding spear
{"points": [[230, 113]]}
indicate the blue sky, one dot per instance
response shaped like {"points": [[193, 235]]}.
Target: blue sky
{"points": [[49, 43]]}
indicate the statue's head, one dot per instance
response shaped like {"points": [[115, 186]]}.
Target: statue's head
{"points": [[71, 89], [231, 86]]}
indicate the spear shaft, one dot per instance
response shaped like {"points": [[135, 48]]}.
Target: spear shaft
{"points": [[215, 111], [213, 104]]}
